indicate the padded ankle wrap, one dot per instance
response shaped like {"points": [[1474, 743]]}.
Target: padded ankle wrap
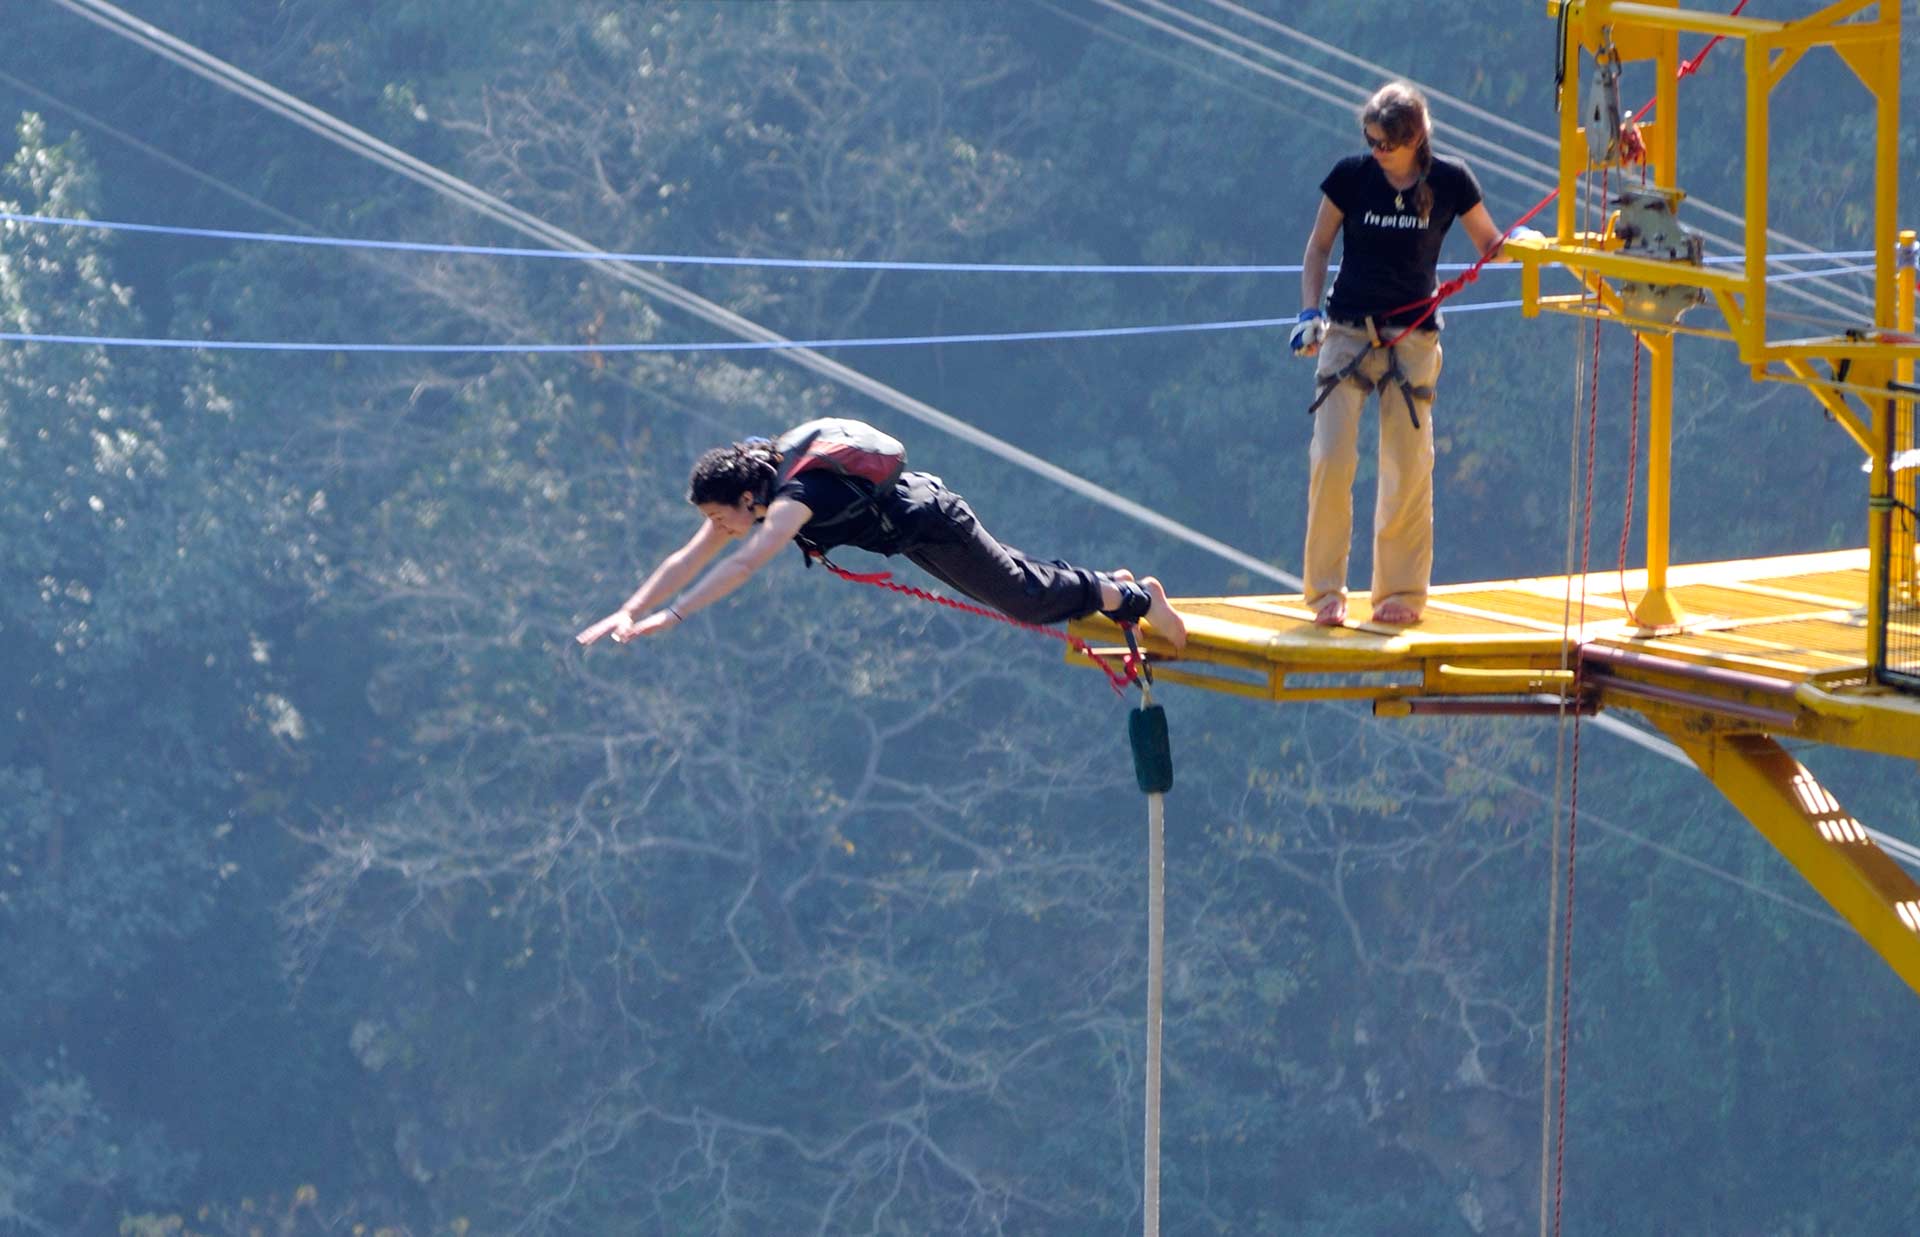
{"points": [[1134, 603]]}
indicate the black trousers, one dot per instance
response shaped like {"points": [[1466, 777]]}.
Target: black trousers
{"points": [[950, 545]]}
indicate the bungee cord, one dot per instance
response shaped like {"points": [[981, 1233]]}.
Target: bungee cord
{"points": [[1493, 156]]}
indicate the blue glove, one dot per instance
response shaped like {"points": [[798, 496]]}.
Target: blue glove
{"points": [[1308, 330]]}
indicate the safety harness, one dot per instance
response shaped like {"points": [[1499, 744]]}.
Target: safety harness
{"points": [[1350, 372]]}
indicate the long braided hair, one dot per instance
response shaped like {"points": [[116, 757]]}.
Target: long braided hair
{"points": [[723, 474], [1401, 112]]}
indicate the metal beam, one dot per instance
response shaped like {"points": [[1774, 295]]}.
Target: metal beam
{"points": [[1814, 833]]}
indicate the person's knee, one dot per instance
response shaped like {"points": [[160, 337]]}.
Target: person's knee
{"points": [[1027, 608]]}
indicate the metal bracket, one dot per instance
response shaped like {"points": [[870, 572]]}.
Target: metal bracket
{"points": [[1600, 116]]}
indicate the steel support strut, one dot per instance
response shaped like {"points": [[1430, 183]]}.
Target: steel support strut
{"points": [[1810, 828]]}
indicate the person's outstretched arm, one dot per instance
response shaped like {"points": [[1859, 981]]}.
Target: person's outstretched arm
{"points": [[784, 520], [673, 573]]}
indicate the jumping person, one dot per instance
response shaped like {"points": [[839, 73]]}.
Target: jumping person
{"points": [[1392, 208], [835, 482]]}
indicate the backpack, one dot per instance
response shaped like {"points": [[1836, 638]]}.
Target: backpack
{"points": [[852, 449], [860, 455]]}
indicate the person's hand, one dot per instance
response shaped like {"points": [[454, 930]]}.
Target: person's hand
{"points": [[1308, 330], [619, 625], [652, 625], [1517, 234]]}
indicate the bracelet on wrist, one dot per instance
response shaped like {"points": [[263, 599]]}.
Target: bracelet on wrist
{"points": [[677, 617]]}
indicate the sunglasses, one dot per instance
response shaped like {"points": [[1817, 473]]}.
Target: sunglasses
{"points": [[1382, 144]]}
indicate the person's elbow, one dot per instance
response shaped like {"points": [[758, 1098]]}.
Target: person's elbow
{"points": [[763, 548]]}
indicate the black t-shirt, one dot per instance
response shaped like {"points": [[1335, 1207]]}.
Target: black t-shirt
{"points": [[845, 512], [1387, 258]]}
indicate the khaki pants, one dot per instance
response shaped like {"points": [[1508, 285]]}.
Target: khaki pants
{"points": [[1403, 509]]}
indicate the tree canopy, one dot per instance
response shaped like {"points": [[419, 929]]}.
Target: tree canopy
{"points": [[342, 892]]}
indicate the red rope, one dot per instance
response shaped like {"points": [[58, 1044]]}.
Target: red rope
{"points": [[1129, 671], [1566, 965], [1691, 65], [1573, 799], [1428, 304]]}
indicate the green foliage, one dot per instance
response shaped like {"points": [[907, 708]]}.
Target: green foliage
{"points": [[329, 858], [65, 1162]]}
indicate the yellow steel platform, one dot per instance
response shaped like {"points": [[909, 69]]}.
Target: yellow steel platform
{"points": [[1771, 645], [1771, 649]]}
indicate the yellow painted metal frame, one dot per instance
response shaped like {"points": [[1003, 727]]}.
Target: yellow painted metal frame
{"points": [[1650, 31], [1721, 688], [1829, 846], [1799, 818], [1902, 563], [1831, 849], [1730, 712]]}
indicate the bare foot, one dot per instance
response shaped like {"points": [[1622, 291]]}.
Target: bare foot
{"points": [[1331, 612], [1162, 617], [1395, 614], [1122, 574]]}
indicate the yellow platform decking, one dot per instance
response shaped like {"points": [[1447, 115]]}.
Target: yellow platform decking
{"points": [[1773, 645], [1772, 649], [1731, 659]]}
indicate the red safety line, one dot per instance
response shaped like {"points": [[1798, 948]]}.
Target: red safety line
{"points": [[1459, 281], [1566, 965], [1687, 68], [1691, 65], [1573, 798], [1117, 679]]}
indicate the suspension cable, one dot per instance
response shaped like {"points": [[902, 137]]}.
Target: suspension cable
{"points": [[1492, 161]]}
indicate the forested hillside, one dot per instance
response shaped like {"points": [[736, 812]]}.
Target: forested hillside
{"points": [[339, 887]]}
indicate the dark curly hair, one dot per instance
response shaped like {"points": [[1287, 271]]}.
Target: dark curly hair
{"points": [[723, 474]]}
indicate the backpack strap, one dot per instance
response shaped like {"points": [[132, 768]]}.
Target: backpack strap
{"points": [[791, 466]]}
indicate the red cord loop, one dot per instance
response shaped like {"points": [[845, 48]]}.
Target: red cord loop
{"points": [[1129, 671]]}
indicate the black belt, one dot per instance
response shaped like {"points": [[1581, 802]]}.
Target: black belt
{"points": [[1360, 324]]}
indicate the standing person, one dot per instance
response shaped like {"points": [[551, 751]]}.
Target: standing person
{"points": [[836, 482], [1392, 208]]}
